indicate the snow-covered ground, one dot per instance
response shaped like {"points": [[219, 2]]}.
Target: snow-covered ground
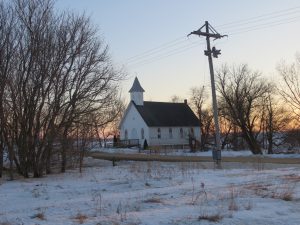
{"points": [[154, 193]]}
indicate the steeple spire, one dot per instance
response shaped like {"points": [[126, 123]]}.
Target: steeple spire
{"points": [[136, 92], [136, 87]]}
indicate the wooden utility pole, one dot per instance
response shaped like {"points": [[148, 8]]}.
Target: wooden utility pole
{"points": [[210, 32]]}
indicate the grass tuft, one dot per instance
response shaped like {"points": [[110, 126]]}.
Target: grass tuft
{"points": [[81, 218], [153, 200], [212, 218]]}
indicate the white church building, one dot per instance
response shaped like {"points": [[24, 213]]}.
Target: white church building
{"points": [[160, 123]]}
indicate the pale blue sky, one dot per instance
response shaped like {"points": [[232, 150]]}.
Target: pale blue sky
{"points": [[134, 27]]}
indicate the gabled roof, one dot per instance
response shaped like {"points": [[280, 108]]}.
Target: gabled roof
{"points": [[165, 114], [136, 87]]}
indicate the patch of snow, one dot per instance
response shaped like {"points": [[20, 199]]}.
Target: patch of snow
{"points": [[154, 193]]}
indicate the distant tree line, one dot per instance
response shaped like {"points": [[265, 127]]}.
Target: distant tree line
{"points": [[58, 85], [254, 113]]}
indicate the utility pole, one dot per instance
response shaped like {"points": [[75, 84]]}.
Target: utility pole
{"points": [[210, 32]]}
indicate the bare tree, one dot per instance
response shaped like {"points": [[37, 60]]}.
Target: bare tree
{"points": [[241, 93], [176, 99], [290, 90], [8, 46], [61, 75], [276, 118], [198, 103]]}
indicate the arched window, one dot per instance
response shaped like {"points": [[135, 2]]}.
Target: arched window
{"points": [[142, 133], [181, 133], [126, 134], [158, 133], [170, 133], [192, 132]]}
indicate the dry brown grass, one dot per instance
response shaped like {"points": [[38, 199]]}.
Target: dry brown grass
{"points": [[282, 191], [5, 223], [233, 195], [40, 216], [292, 178], [153, 200], [81, 218], [259, 189], [233, 206], [285, 193], [248, 206], [212, 218]]}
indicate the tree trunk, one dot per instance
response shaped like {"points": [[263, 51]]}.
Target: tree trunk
{"points": [[63, 158], [270, 143], [1, 159], [11, 164], [253, 145], [48, 160], [64, 148]]}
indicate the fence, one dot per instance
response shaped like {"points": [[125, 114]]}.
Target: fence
{"points": [[127, 143]]}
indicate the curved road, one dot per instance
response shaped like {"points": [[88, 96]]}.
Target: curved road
{"points": [[169, 158]]}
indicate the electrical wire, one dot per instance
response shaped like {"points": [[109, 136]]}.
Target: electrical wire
{"points": [[248, 20], [237, 23], [163, 46], [162, 56], [167, 49], [265, 25]]}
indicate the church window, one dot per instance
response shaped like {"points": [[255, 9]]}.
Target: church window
{"points": [[126, 134], [158, 133], [142, 133], [192, 132], [170, 133], [181, 133]]}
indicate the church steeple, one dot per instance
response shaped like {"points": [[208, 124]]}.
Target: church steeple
{"points": [[137, 92]]}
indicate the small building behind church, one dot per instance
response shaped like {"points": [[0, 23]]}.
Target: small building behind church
{"points": [[160, 123]]}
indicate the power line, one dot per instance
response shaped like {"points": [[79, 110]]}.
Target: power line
{"points": [[163, 46], [145, 61], [260, 16], [165, 55], [231, 24], [265, 25], [163, 51]]}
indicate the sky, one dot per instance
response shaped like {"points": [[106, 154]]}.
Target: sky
{"points": [[149, 39]]}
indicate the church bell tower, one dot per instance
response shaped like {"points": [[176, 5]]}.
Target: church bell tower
{"points": [[137, 93]]}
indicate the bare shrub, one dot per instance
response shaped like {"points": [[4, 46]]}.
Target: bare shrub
{"points": [[258, 164], [81, 218], [285, 193], [5, 223], [259, 189], [153, 200], [292, 178], [212, 218], [40, 216], [122, 211], [232, 200], [233, 205], [97, 198], [248, 205], [197, 195]]}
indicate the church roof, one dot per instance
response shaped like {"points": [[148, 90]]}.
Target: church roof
{"points": [[136, 87], [165, 114]]}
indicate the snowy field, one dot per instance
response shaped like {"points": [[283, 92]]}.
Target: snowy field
{"points": [[155, 193]]}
